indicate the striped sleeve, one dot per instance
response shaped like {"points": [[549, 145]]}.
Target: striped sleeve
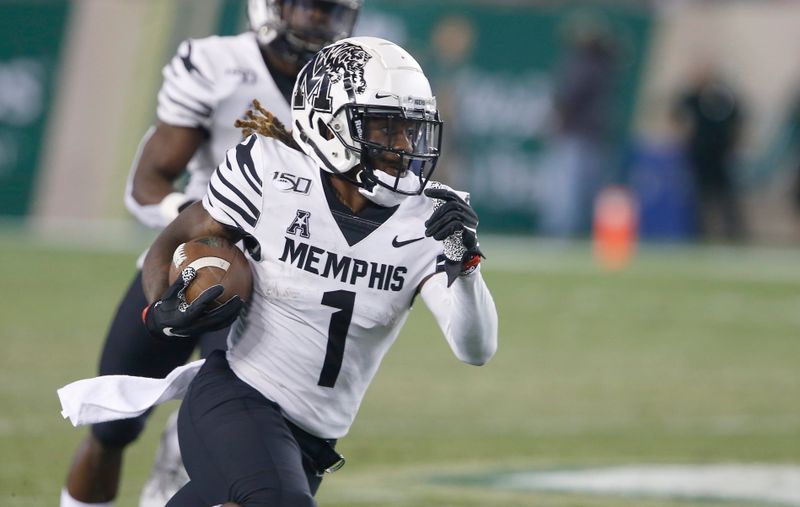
{"points": [[187, 97], [234, 195]]}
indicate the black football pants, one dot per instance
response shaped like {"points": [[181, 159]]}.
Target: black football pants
{"points": [[130, 350], [237, 447]]}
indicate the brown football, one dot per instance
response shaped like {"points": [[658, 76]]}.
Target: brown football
{"points": [[216, 261]]}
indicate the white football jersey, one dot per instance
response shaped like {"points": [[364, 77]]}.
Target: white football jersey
{"points": [[324, 312], [210, 83]]}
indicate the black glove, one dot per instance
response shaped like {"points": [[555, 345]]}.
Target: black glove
{"points": [[454, 222], [170, 317]]}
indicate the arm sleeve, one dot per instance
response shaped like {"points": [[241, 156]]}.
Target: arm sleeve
{"points": [[466, 314], [234, 196], [187, 96]]}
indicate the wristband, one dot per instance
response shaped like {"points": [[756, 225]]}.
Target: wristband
{"points": [[470, 265], [171, 205], [472, 262]]}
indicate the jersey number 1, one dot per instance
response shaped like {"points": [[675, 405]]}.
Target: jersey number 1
{"points": [[343, 300]]}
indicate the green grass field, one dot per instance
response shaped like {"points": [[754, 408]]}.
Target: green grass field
{"points": [[689, 356]]}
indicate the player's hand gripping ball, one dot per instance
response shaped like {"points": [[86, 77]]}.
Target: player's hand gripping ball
{"points": [[210, 280], [212, 261]]}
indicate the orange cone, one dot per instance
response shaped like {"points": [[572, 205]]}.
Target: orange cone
{"points": [[614, 228]]}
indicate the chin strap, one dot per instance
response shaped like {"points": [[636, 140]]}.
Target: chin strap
{"points": [[376, 186], [382, 196]]}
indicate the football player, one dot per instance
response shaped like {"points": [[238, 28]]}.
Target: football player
{"points": [[206, 87], [341, 239]]}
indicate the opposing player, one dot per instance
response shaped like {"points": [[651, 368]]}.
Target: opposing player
{"points": [[341, 240], [207, 86]]}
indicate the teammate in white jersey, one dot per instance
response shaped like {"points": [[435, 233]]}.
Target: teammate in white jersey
{"points": [[341, 240], [207, 86]]}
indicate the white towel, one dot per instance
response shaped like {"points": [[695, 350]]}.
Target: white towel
{"points": [[112, 397]]}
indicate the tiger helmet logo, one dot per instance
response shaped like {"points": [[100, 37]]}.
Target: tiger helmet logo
{"points": [[340, 62], [346, 61]]}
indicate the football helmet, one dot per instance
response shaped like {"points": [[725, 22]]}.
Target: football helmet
{"points": [[300, 28], [365, 102]]}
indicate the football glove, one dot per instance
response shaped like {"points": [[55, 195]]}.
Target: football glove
{"points": [[170, 317], [455, 223]]}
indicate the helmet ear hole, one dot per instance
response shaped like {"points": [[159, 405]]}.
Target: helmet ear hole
{"points": [[324, 130]]}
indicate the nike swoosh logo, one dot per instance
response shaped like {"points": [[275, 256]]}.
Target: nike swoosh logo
{"points": [[379, 95], [398, 244]]}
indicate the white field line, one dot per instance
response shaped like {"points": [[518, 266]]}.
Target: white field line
{"points": [[760, 483]]}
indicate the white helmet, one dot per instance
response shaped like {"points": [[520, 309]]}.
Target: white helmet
{"points": [[354, 82], [302, 27]]}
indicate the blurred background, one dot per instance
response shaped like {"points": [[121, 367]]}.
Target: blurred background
{"points": [[546, 104], [659, 138]]}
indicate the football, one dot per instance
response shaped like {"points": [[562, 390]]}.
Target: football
{"points": [[216, 261]]}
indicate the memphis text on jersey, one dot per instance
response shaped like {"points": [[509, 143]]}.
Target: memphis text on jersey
{"points": [[347, 269]]}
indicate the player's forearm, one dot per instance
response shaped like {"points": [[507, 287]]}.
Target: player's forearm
{"points": [[161, 161], [155, 270], [152, 193], [466, 314], [162, 157], [194, 222], [152, 187]]}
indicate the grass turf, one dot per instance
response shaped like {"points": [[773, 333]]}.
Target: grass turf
{"points": [[688, 356]]}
